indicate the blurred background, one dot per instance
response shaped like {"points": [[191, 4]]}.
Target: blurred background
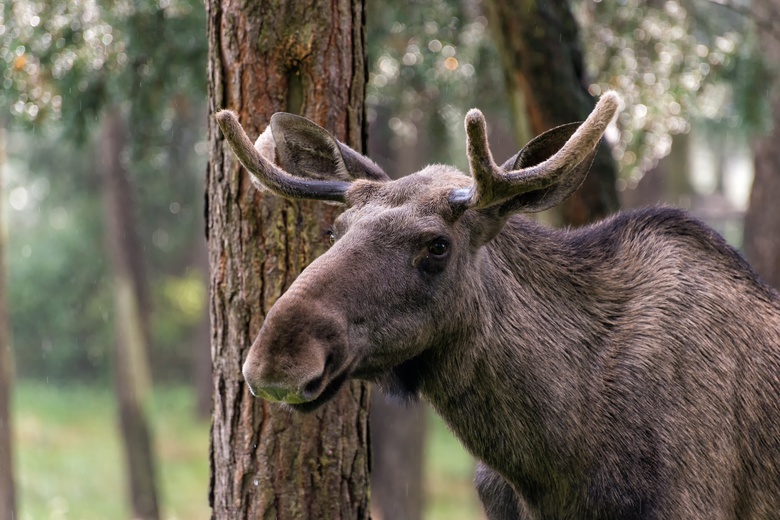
{"points": [[103, 155]]}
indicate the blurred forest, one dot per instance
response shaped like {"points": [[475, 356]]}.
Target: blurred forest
{"points": [[103, 154]]}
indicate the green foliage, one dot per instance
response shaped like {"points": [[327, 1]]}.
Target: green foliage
{"points": [[61, 64], [674, 62], [61, 326], [429, 62], [70, 58]]}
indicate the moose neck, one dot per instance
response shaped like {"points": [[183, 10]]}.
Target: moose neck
{"points": [[515, 386]]}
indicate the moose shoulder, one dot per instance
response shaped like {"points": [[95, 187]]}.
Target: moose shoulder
{"points": [[630, 369]]}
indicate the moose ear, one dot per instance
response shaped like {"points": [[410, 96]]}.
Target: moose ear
{"points": [[537, 151], [307, 150]]}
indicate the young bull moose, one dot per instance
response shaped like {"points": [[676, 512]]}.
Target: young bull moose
{"points": [[630, 369]]}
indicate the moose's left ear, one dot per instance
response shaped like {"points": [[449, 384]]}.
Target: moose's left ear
{"points": [[307, 150], [538, 150]]}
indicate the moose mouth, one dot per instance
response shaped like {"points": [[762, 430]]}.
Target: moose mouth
{"points": [[326, 395]]}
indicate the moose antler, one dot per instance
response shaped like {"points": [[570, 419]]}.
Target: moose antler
{"points": [[493, 186], [268, 175]]}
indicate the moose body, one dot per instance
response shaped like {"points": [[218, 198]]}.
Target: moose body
{"points": [[629, 369]]}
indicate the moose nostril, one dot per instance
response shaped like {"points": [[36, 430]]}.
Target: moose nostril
{"points": [[313, 387]]}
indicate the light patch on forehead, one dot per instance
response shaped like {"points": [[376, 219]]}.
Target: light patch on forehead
{"points": [[424, 192], [409, 201]]}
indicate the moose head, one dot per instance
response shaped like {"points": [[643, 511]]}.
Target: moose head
{"points": [[406, 254]]}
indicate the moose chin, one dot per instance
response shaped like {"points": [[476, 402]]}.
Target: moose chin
{"points": [[625, 370]]}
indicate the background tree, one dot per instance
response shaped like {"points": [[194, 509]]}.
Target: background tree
{"points": [[762, 221], [131, 370], [308, 58], [541, 54], [7, 487]]}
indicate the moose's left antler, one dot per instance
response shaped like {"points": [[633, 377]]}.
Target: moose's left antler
{"points": [[493, 185]]}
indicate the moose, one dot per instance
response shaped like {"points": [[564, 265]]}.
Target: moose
{"points": [[628, 369]]}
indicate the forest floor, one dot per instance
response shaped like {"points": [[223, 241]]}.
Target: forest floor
{"points": [[69, 464]]}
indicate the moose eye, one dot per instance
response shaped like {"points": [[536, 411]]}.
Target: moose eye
{"points": [[438, 247], [330, 236], [436, 258]]}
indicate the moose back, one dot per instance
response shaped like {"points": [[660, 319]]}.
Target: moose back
{"points": [[630, 369]]}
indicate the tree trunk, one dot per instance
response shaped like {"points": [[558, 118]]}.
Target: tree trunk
{"points": [[397, 438], [762, 220], [545, 74], [306, 57], [131, 371], [7, 491]]}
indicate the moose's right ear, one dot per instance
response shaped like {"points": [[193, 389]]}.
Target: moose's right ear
{"points": [[538, 150], [307, 150]]}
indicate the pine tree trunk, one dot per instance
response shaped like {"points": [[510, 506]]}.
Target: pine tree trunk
{"points": [[762, 220], [545, 74], [306, 57], [131, 371], [7, 491]]}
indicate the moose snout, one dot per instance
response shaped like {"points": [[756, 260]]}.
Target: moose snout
{"points": [[296, 354]]}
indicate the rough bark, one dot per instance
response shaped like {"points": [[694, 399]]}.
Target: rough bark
{"points": [[7, 489], [305, 57], [131, 372], [762, 220], [545, 74]]}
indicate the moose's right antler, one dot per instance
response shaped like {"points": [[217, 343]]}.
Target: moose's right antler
{"points": [[268, 175]]}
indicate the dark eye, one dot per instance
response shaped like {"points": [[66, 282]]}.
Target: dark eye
{"points": [[330, 236], [436, 258], [438, 247]]}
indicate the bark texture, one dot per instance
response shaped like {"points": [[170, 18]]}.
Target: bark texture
{"points": [[131, 372], [306, 57], [7, 488], [762, 220], [545, 74]]}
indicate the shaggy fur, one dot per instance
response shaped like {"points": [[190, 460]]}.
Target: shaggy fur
{"points": [[626, 370]]}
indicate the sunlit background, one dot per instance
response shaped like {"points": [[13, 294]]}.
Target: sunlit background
{"points": [[690, 71]]}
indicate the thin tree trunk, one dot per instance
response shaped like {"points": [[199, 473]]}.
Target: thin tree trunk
{"points": [[131, 364], [762, 220], [305, 57], [398, 438], [545, 73], [7, 491]]}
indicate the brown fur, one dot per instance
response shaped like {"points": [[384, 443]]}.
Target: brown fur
{"points": [[626, 370]]}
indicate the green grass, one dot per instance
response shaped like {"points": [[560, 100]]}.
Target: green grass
{"points": [[69, 463], [449, 481]]}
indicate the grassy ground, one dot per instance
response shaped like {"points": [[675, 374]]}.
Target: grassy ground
{"points": [[69, 462], [68, 459], [449, 482]]}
